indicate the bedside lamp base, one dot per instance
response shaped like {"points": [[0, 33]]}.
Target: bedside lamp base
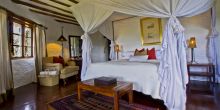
{"points": [[192, 56]]}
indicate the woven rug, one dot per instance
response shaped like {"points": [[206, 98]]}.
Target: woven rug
{"points": [[91, 101]]}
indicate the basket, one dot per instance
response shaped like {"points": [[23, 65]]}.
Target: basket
{"points": [[48, 80]]}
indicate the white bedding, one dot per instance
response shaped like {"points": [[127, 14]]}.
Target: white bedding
{"points": [[143, 75]]}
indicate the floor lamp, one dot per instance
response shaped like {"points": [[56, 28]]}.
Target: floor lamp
{"points": [[192, 45], [62, 39]]}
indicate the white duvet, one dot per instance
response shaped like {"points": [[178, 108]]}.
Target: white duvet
{"points": [[143, 75]]}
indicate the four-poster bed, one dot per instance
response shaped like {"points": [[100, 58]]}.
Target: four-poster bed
{"points": [[172, 71]]}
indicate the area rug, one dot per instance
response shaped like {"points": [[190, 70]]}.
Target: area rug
{"points": [[92, 101]]}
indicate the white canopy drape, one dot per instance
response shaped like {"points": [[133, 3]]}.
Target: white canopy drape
{"points": [[6, 80], [213, 49], [90, 17], [157, 8], [107, 30], [173, 69]]}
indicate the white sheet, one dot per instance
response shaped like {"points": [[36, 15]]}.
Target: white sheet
{"points": [[143, 75]]}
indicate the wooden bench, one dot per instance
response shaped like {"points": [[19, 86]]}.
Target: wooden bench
{"points": [[115, 91]]}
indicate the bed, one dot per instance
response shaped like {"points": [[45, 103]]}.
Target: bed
{"points": [[143, 75]]}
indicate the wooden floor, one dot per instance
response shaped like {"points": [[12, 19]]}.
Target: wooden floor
{"points": [[35, 97]]}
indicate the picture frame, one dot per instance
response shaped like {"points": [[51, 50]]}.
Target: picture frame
{"points": [[151, 31]]}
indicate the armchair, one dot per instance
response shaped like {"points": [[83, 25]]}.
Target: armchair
{"points": [[64, 71]]}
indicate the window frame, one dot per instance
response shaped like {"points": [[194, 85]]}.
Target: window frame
{"points": [[24, 24]]}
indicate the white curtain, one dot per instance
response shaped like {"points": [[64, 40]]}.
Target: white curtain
{"points": [[157, 8], [107, 30], [90, 17], [6, 80], [40, 47], [213, 49], [173, 69]]}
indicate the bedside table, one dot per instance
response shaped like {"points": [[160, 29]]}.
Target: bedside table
{"points": [[208, 70]]}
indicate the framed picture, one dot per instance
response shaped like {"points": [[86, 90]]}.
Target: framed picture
{"points": [[151, 31]]}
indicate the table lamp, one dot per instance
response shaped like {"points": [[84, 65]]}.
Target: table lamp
{"points": [[117, 49], [62, 39], [192, 45]]}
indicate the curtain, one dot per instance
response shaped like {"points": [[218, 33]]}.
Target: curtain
{"points": [[90, 17], [107, 30], [40, 47], [173, 69], [6, 78], [157, 8], [213, 49]]}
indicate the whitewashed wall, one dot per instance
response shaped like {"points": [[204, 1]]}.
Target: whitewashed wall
{"points": [[198, 26], [24, 69]]}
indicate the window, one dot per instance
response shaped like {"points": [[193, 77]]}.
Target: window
{"points": [[21, 38]]}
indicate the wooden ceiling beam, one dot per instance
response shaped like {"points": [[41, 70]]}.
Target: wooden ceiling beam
{"points": [[74, 1], [67, 22], [40, 8], [52, 15], [46, 4], [61, 3]]}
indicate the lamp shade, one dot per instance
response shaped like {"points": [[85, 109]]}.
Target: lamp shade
{"points": [[117, 48], [192, 42], [61, 39]]}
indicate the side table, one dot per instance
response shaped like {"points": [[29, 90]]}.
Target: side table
{"points": [[208, 71]]}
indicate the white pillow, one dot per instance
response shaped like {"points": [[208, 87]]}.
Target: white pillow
{"points": [[143, 58], [127, 54], [158, 54]]}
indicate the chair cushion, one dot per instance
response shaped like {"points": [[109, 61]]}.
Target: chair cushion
{"points": [[64, 76], [52, 66], [69, 69], [71, 63]]}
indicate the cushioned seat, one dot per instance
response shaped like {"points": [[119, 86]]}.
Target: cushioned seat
{"points": [[69, 71], [64, 71]]}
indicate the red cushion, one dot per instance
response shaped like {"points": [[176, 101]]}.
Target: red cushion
{"points": [[151, 53], [58, 60]]}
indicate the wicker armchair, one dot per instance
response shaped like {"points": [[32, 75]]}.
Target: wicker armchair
{"points": [[64, 71]]}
